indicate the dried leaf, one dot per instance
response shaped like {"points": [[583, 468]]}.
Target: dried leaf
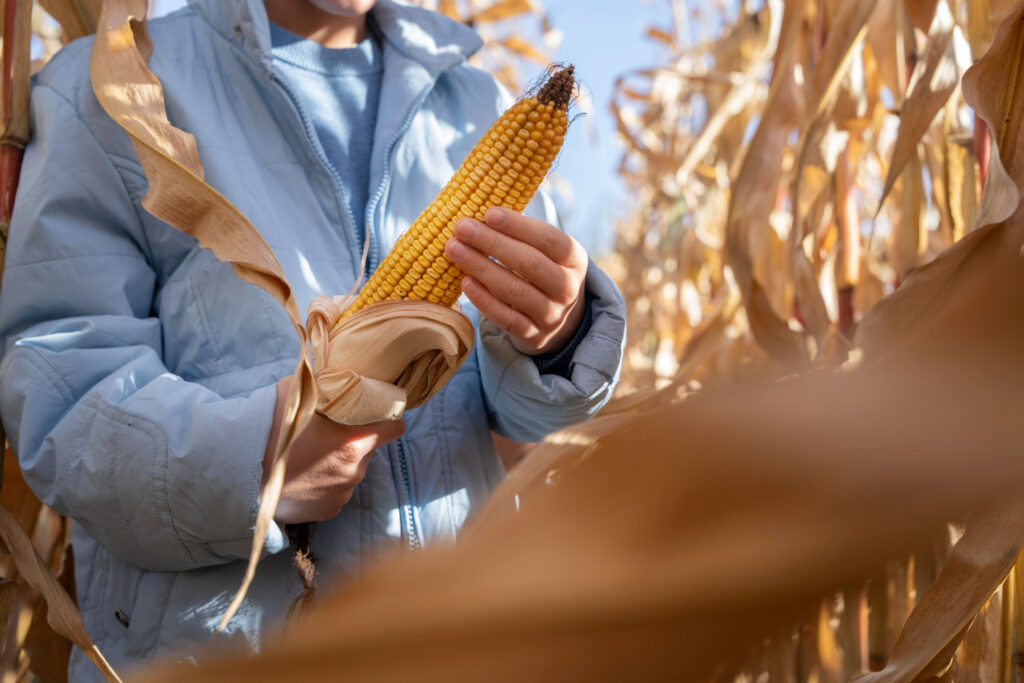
{"points": [[77, 18], [14, 118], [773, 334], [448, 8], [973, 572], [49, 652], [737, 98], [755, 191], [808, 295], [993, 87], [846, 33], [62, 615], [502, 9], [662, 36], [661, 587], [934, 80], [922, 12], [524, 49]]}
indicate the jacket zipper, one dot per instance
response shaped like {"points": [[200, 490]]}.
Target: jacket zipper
{"points": [[346, 213], [371, 265], [374, 255], [410, 514], [374, 258]]}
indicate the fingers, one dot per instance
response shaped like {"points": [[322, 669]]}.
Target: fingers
{"points": [[503, 283], [508, 318], [525, 259], [546, 238]]}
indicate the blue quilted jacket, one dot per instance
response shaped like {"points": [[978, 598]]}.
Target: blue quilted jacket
{"points": [[137, 382]]}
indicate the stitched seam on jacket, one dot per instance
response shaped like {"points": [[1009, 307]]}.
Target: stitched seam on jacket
{"points": [[106, 154], [603, 337], [75, 257], [599, 371], [203, 317], [158, 435], [245, 54], [202, 380], [49, 372]]}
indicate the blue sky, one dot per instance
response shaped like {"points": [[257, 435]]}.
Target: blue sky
{"points": [[603, 38]]}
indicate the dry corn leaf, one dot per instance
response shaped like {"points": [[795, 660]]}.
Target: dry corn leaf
{"points": [[14, 117], [49, 652], [502, 9], [755, 191], [62, 613], [566, 449], [448, 8], [524, 49], [580, 586], [773, 334], [978, 659], [77, 18], [813, 311], [386, 359], [978, 564], [921, 12], [18, 499], [933, 81], [994, 88], [662, 36], [738, 96]]}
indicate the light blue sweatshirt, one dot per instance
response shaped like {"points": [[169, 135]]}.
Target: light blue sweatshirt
{"points": [[340, 89]]}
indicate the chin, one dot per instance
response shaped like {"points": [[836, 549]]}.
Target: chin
{"points": [[344, 8]]}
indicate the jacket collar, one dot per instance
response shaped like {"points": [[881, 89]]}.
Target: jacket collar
{"points": [[430, 39]]}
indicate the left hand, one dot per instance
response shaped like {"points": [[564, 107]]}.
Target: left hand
{"points": [[535, 289]]}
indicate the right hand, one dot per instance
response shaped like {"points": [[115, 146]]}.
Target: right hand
{"points": [[327, 461]]}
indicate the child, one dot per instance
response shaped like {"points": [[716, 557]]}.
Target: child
{"points": [[140, 381]]}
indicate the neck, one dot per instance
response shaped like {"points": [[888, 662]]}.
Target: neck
{"points": [[304, 19]]}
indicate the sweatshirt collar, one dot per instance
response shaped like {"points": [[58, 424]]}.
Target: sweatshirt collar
{"points": [[428, 38]]}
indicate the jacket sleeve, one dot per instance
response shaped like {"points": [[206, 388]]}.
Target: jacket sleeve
{"points": [[526, 405], [162, 472]]}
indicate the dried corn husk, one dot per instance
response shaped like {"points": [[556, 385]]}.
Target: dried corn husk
{"points": [[385, 359]]}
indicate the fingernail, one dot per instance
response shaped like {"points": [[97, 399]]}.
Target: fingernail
{"points": [[468, 286], [466, 227], [455, 247], [496, 217]]}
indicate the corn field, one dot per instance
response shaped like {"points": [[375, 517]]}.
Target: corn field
{"points": [[821, 263]]}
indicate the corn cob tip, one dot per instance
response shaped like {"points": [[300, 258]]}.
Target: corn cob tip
{"points": [[557, 90]]}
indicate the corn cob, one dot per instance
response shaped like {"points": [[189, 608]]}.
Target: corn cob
{"points": [[505, 168]]}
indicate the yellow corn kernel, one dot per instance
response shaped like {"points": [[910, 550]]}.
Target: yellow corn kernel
{"points": [[505, 168]]}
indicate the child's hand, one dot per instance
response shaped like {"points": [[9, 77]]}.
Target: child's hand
{"points": [[535, 293], [327, 462]]}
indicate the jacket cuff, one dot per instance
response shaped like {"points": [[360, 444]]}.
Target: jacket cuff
{"points": [[560, 362], [263, 402], [527, 405]]}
